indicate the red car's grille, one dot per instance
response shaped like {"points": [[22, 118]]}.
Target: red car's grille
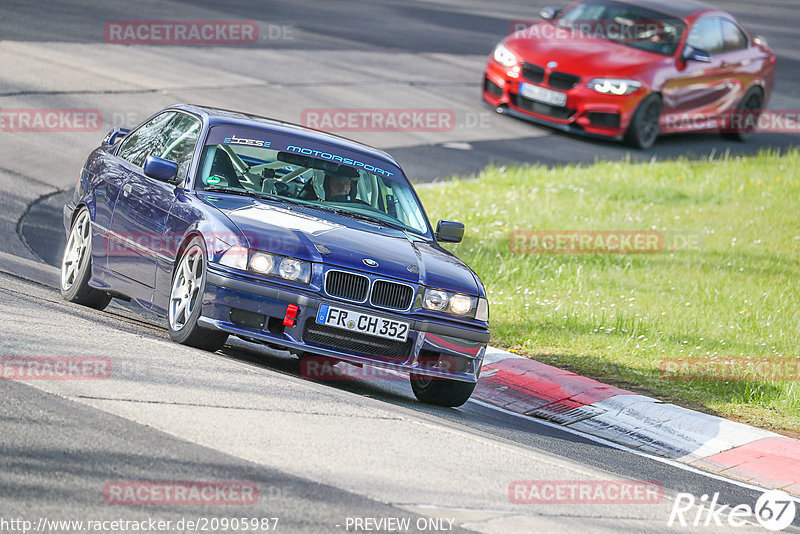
{"points": [[563, 81], [539, 108], [532, 73], [604, 120], [490, 87], [556, 80]]}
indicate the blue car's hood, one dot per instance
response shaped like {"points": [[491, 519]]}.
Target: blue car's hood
{"points": [[296, 231]]}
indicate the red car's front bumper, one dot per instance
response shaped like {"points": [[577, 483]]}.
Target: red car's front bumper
{"points": [[586, 111]]}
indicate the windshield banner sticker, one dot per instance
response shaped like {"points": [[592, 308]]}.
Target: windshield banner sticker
{"points": [[297, 145]]}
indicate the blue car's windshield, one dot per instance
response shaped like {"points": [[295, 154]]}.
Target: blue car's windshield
{"points": [[626, 24], [259, 163]]}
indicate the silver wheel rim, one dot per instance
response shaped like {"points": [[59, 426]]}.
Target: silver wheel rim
{"points": [[650, 123], [186, 288], [78, 250]]}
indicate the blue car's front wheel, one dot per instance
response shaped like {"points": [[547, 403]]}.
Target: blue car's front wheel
{"points": [[186, 301], [76, 265], [440, 391]]}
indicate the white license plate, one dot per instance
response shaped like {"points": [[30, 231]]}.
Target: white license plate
{"points": [[540, 94], [362, 323]]}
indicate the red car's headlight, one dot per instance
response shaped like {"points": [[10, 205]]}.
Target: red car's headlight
{"points": [[504, 56], [614, 86]]}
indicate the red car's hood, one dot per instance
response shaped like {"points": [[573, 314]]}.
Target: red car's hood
{"points": [[578, 53]]}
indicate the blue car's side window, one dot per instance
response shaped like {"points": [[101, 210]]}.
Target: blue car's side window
{"points": [[148, 138], [184, 131]]}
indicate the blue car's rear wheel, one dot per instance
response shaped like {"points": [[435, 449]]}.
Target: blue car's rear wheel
{"points": [[186, 301], [439, 391], [76, 265]]}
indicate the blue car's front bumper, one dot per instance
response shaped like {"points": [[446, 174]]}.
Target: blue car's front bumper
{"points": [[256, 310]]}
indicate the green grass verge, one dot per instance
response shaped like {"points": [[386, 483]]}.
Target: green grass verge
{"points": [[732, 292]]}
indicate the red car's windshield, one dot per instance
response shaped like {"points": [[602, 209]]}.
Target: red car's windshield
{"points": [[626, 24]]}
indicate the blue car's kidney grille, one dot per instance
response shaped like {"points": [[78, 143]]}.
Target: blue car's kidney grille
{"points": [[390, 295], [347, 286]]}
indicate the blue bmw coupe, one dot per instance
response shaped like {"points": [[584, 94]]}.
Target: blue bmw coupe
{"points": [[232, 224]]}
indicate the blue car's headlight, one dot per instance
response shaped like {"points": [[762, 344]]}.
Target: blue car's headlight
{"points": [[235, 258], [294, 269], [456, 304], [262, 263], [267, 264], [613, 86]]}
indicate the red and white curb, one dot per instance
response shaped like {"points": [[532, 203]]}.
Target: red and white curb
{"points": [[705, 441]]}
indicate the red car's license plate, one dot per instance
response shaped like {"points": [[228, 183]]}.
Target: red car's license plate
{"points": [[540, 94]]}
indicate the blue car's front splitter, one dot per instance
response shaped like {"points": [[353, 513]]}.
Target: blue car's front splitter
{"points": [[257, 311]]}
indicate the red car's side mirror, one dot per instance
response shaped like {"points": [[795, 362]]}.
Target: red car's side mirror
{"points": [[549, 13], [691, 53]]}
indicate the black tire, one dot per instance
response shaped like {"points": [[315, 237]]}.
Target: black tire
{"points": [[188, 289], [441, 392], [644, 127], [752, 103], [76, 265]]}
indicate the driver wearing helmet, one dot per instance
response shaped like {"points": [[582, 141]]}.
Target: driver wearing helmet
{"points": [[340, 185]]}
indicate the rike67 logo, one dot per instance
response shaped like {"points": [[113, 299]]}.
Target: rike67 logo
{"points": [[774, 510]]}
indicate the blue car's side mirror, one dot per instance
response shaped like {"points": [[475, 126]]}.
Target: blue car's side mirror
{"points": [[449, 232], [114, 135], [160, 169]]}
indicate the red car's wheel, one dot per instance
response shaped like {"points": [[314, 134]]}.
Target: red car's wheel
{"points": [[748, 111], [643, 130]]}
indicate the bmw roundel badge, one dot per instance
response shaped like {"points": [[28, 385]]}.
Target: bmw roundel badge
{"points": [[369, 262]]}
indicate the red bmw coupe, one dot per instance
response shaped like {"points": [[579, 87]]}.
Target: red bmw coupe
{"points": [[630, 70]]}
